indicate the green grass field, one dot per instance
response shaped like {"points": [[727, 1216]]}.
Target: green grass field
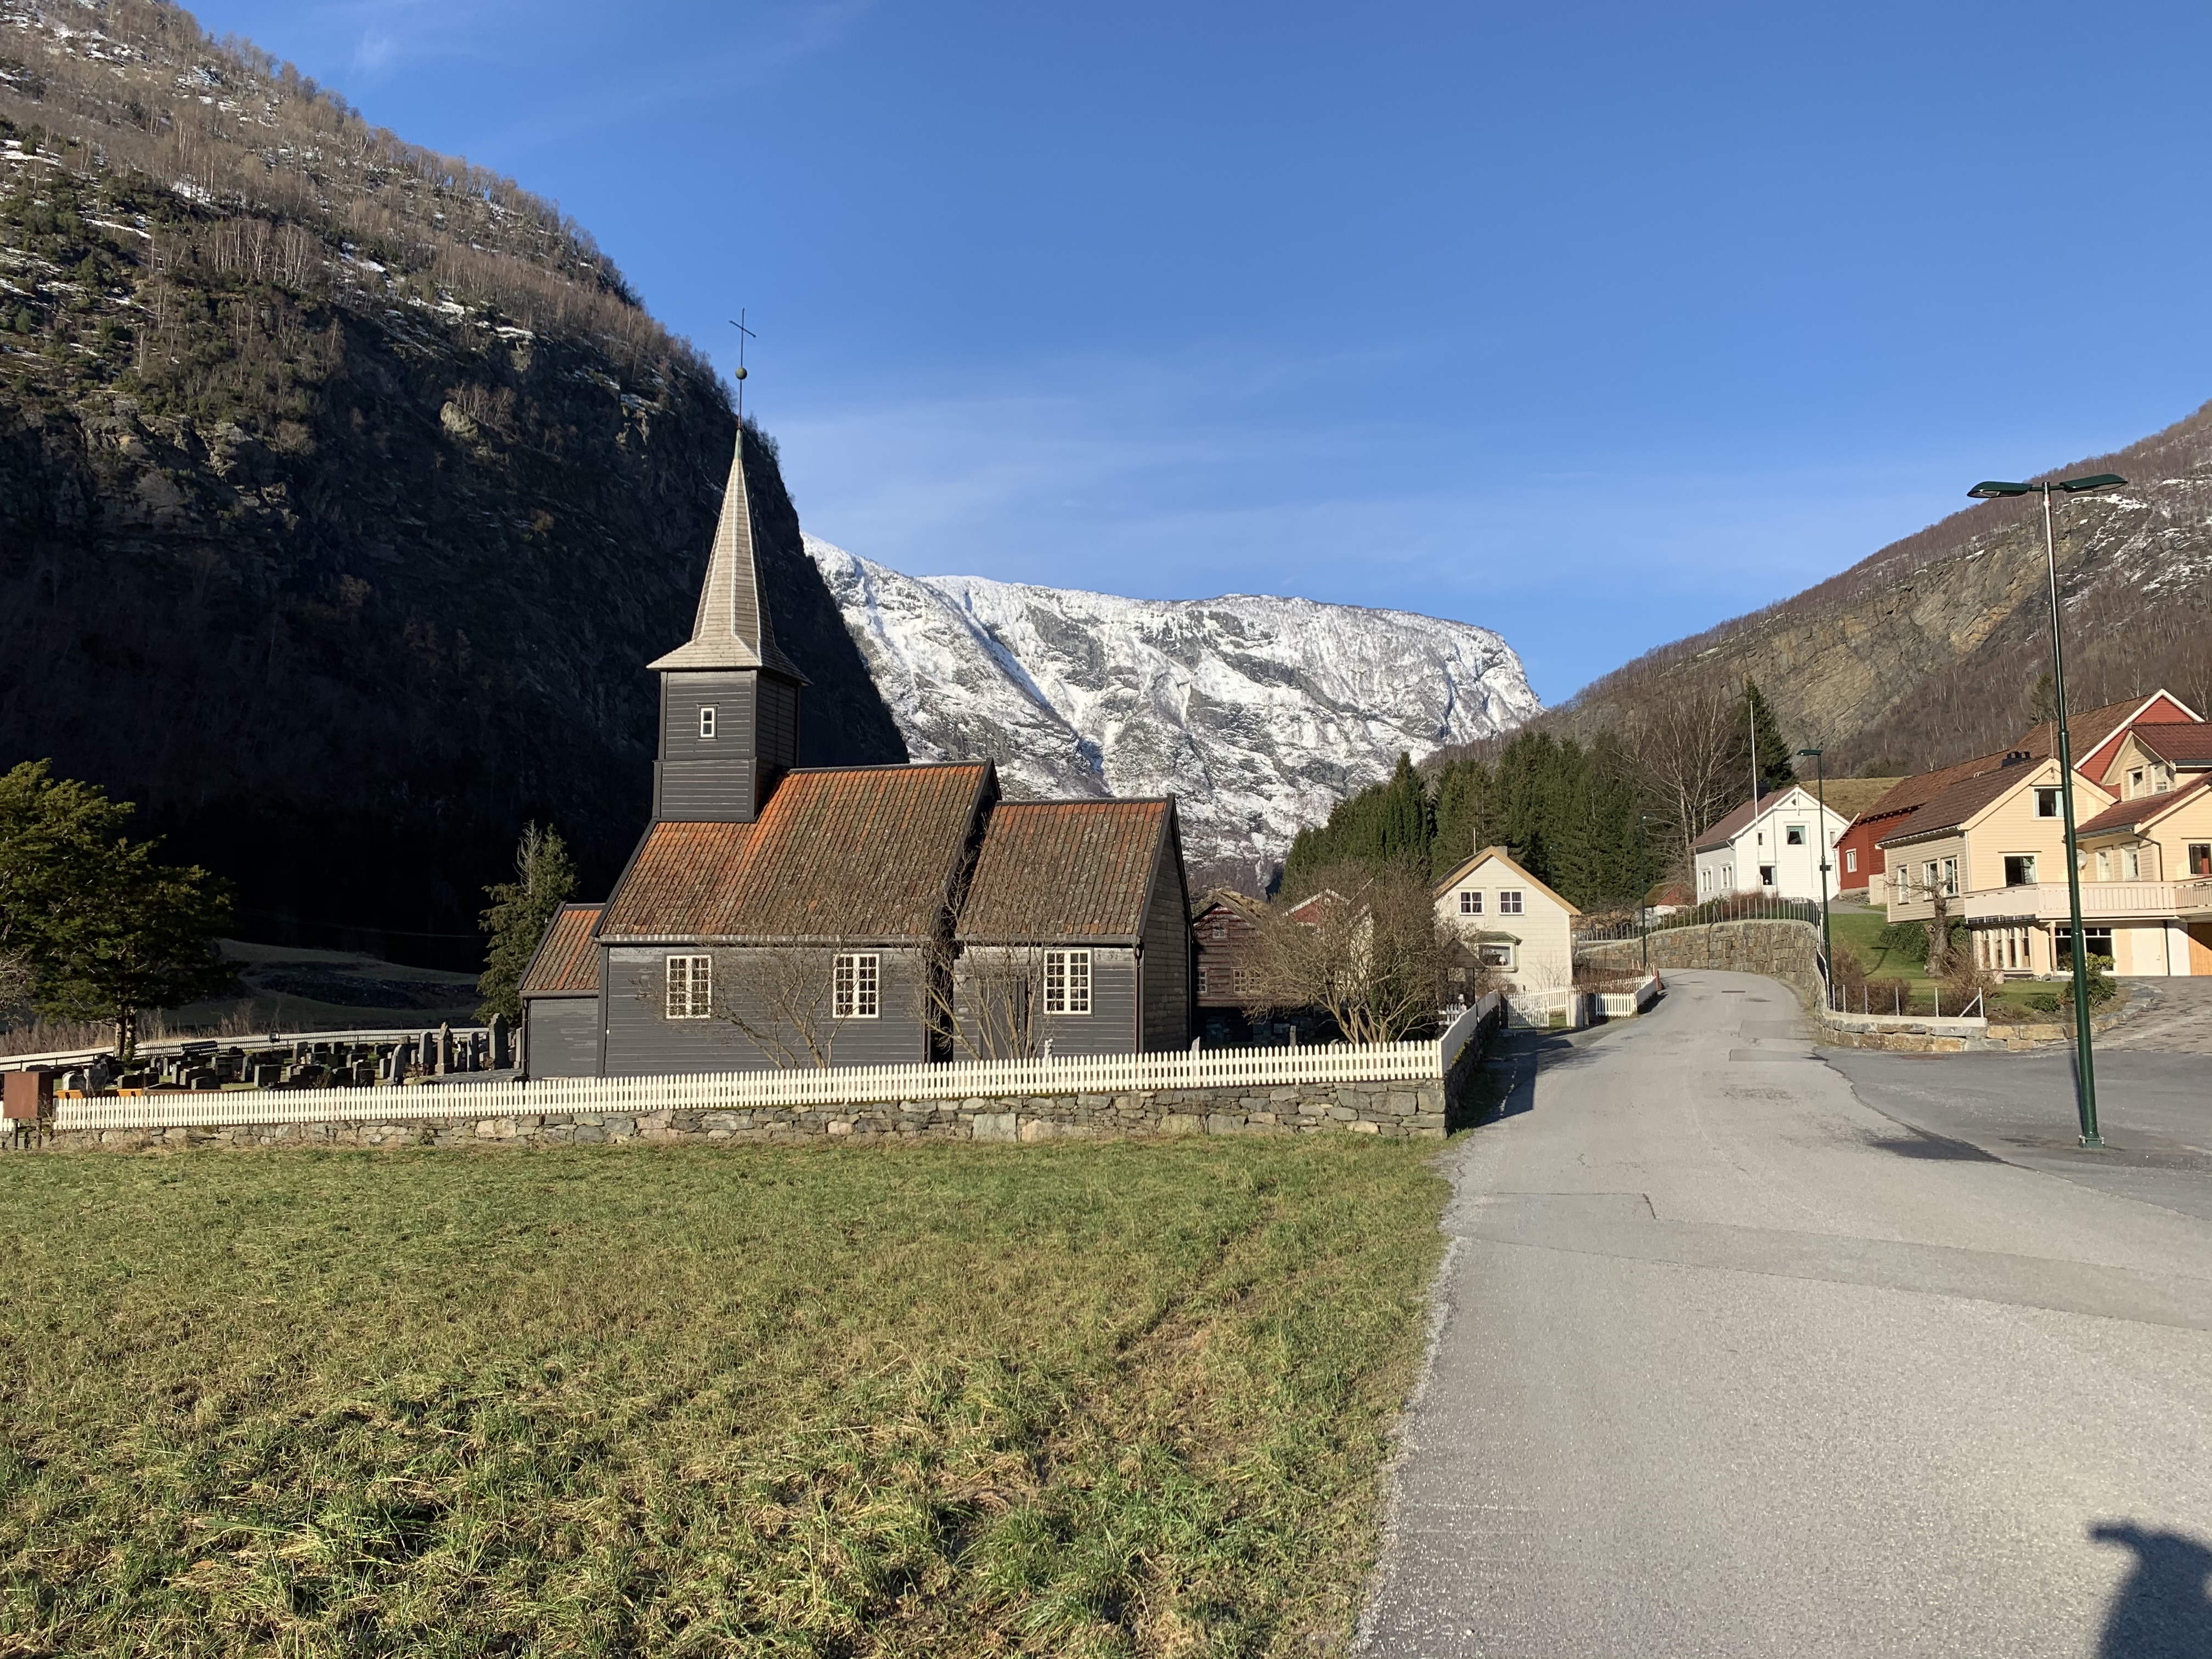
{"points": [[1086, 1400]]}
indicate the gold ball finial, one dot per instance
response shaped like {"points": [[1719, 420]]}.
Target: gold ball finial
{"points": [[741, 371]]}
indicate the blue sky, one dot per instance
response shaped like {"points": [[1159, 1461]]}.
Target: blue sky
{"points": [[1591, 324]]}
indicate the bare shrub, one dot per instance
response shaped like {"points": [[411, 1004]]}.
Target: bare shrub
{"points": [[1366, 949]]}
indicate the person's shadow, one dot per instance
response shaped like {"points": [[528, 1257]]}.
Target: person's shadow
{"points": [[2162, 1611]]}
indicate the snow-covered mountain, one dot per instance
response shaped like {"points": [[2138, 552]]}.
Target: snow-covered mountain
{"points": [[1258, 713]]}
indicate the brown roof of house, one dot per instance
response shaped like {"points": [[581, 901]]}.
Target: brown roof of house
{"points": [[2185, 743], [1910, 794], [1953, 805], [2084, 731], [1736, 819], [1066, 869], [567, 963], [846, 853], [2130, 814]]}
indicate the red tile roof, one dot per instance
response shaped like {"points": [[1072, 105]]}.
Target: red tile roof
{"points": [[2185, 743], [2128, 814], [847, 852], [568, 962], [1066, 870]]}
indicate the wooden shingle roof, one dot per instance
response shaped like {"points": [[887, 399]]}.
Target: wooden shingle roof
{"points": [[1066, 870], [864, 854], [568, 961]]}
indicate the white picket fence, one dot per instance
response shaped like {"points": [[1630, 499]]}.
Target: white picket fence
{"points": [[842, 1085]]}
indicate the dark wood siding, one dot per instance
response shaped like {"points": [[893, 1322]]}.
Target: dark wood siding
{"points": [[561, 1036], [708, 780], [779, 725], [1111, 1026], [642, 1042], [1167, 1010]]}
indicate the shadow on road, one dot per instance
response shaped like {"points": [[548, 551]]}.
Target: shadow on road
{"points": [[2162, 1611]]}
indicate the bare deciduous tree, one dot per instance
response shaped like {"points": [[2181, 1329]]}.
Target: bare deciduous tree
{"points": [[987, 1002], [784, 999], [1368, 951], [1686, 746]]}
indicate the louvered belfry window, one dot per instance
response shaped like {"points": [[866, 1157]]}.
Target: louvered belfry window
{"points": [[690, 987], [1067, 982], [857, 986]]}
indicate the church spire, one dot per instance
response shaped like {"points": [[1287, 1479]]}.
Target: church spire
{"points": [[733, 630]]}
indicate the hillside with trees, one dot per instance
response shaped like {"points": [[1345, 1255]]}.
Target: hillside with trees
{"points": [[1937, 648], [345, 490]]}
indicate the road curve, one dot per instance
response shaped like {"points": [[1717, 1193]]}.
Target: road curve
{"points": [[1729, 1362]]}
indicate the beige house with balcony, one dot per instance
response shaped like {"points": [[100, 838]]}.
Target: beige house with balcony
{"points": [[1990, 850]]}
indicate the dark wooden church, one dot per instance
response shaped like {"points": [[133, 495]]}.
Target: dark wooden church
{"points": [[778, 916]]}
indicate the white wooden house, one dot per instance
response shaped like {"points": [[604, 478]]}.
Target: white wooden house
{"points": [[1772, 848], [1517, 926]]}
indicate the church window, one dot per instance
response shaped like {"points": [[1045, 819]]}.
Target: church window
{"points": [[1067, 982], [858, 987], [706, 721], [691, 987]]}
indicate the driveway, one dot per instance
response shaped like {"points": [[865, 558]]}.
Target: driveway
{"points": [[1730, 1362], [2178, 1020]]}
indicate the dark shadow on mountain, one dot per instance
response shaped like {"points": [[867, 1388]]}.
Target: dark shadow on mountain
{"points": [[2162, 1611]]}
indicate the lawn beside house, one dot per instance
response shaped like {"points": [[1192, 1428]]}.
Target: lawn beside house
{"points": [[1120, 1398], [1860, 932]]}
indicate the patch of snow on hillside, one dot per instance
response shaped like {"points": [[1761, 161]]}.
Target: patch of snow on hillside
{"points": [[1258, 714]]}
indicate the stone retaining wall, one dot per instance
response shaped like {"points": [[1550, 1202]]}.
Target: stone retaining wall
{"points": [[1397, 1109]]}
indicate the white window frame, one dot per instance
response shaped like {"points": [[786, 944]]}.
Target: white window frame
{"points": [[1950, 877], [2029, 859], [1766, 876], [707, 722], [856, 986], [1509, 902], [1495, 953], [1470, 903], [1851, 860], [1067, 983], [2046, 801], [1793, 835], [690, 982]]}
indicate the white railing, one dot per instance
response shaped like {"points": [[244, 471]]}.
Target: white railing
{"points": [[842, 1085], [2047, 900]]}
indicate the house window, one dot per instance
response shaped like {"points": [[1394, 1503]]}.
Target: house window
{"points": [[2096, 942], [856, 984], [2019, 869], [690, 987], [1204, 989], [1509, 902], [1928, 875], [2046, 803], [2104, 866], [2134, 782], [707, 721], [1497, 956], [2200, 858], [2130, 863], [1766, 875], [1221, 928], [1241, 981], [1950, 877], [2163, 781], [1067, 982], [1470, 904], [1851, 859], [1794, 836]]}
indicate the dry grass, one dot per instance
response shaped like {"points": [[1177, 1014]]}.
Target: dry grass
{"points": [[1114, 1399]]}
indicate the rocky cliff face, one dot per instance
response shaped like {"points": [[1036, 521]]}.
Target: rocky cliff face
{"points": [[344, 494], [1258, 713], [1929, 651]]}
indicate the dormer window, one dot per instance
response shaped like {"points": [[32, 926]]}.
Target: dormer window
{"points": [[707, 721]]}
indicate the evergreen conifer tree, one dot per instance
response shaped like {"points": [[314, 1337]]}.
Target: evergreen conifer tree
{"points": [[519, 914], [1776, 766]]}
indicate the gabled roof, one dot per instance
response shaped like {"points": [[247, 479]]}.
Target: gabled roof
{"points": [[567, 962], [1849, 797], [1227, 898], [1911, 793], [1066, 870], [731, 629], [861, 852], [1498, 854], [2144, 809], [1953, 805], [1738, 819], [2090, 729], [2185, 743]]}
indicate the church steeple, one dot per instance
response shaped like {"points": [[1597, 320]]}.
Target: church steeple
{"points": [[729, 697], [732, 629]]}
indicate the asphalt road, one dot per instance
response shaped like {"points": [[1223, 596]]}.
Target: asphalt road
{"points": [[1732, 1362]]}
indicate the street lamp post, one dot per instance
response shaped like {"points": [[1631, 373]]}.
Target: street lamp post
{"points": [[1828, 939], [1643, 893], [2084, 1067]]}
